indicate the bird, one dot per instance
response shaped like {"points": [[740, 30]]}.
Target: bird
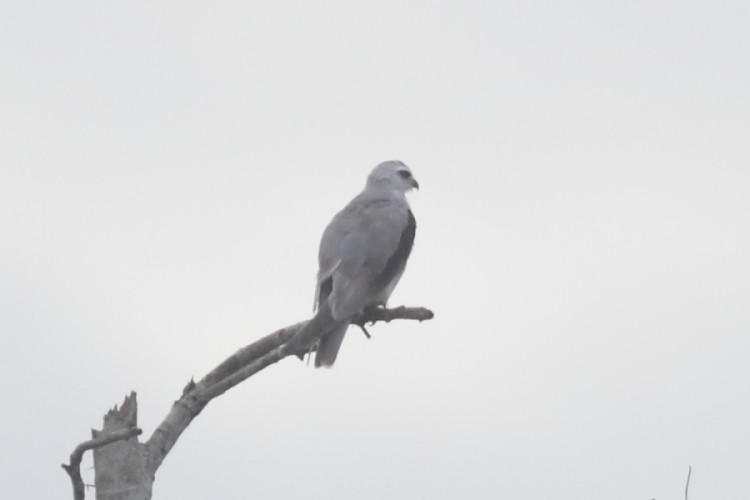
{"points": [[361, 258]]}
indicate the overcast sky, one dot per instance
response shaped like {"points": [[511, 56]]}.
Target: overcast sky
{"points": [[167, 168]]}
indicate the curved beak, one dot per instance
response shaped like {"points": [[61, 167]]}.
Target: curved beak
{"points": [[414, 183]]}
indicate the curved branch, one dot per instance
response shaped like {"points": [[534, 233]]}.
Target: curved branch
{"points": [[238, 367]]}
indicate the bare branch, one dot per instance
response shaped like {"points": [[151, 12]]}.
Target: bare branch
{"points": [[74, 468], [238, 367], [687, 484], [381, 314]]}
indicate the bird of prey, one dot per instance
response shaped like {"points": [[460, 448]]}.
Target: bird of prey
{"points": [[363, 253]]}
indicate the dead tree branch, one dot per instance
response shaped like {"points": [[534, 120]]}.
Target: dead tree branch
{"points": [[236, 368], [126, 471], [376, 314], [74, 467]]}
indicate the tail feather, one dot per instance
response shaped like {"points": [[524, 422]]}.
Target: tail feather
{"points": [[329, 330], [329, 346]]}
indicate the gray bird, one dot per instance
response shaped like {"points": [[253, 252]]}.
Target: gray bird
{"points": [[363, 253]]}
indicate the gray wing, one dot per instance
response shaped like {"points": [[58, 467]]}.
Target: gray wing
{"points": [[364, 243]]}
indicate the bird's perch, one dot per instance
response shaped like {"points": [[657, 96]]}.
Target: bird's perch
{"points": [[125, 469]]}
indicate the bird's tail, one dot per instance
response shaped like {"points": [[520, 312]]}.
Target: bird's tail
{"points": [[330, 333], [329, 346]]}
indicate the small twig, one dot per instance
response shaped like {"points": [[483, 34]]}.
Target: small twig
{"points": [[74, 468], [687, 484], [364, 330], [188, 387]]}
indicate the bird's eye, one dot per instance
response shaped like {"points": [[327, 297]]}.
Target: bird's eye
{"points": [[405, 174]]}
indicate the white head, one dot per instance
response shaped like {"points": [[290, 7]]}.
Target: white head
{"points": [[392, 175]]}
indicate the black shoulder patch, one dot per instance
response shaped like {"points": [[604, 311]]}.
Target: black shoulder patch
{"points": [[397, 262]]}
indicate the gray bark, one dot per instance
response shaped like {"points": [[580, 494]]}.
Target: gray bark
{"points": [[121, 471], [125, 468]]}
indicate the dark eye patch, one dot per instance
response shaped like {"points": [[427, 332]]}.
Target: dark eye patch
{"points": [[405, 174]]}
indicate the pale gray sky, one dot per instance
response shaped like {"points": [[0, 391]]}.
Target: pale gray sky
{"points": [[166, 169]]}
